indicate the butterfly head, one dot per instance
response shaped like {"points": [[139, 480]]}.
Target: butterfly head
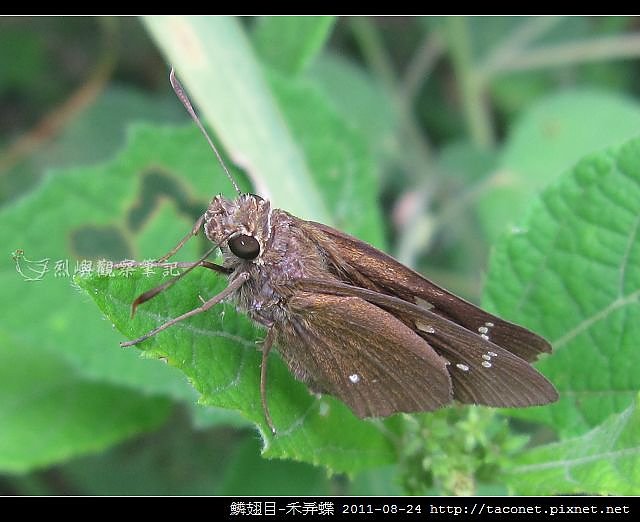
{"points": [[241, 226]]}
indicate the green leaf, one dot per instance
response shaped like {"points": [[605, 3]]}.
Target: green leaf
{"points": [[379, 481], [69, 219], [50, 321], [101, 130], [290, 43], [218, 353], [549, 139], [94, 135], [48, 414], [604, 461], [215, 62], [572, 273]]}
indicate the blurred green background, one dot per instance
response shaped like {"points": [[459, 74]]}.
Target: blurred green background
{"points": [[442, 140]]}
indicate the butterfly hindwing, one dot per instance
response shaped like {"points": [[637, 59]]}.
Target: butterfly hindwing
{"points": [[371, 361]]}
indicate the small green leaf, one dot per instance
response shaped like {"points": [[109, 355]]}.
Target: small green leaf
{"points": [[571, 272], [289, 43], [604, 461]]}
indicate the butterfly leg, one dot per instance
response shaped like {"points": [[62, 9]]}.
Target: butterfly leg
{"points": [[266, 348], [237, 283], [150, 294]]}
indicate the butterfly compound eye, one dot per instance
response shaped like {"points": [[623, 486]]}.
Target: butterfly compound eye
{"points": [[245, 247]]}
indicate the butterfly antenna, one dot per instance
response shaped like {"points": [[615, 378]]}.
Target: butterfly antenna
{"points": [[182, 95]]}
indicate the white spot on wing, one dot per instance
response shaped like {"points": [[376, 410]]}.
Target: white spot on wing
{"points": [[484, 330], [462, 367], [486, 364], [354, 378]]}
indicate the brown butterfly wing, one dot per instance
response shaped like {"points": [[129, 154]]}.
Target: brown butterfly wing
{"points": [[354, 350], [362, 265], [481, 372]]}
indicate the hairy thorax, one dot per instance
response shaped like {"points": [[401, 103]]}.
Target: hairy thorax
{"points": [[286, 253]]}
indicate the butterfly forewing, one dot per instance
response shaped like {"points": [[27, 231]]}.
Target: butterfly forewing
{"points": [[362, 265], [371, 360]]}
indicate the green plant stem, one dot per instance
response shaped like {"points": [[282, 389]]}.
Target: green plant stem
{"points": [[376, 56], [422, 63], [620, 47], [513, 44], [471, 84], [373, 50]]}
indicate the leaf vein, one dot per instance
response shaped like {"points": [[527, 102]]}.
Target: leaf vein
{"points": [[621, 302]]}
